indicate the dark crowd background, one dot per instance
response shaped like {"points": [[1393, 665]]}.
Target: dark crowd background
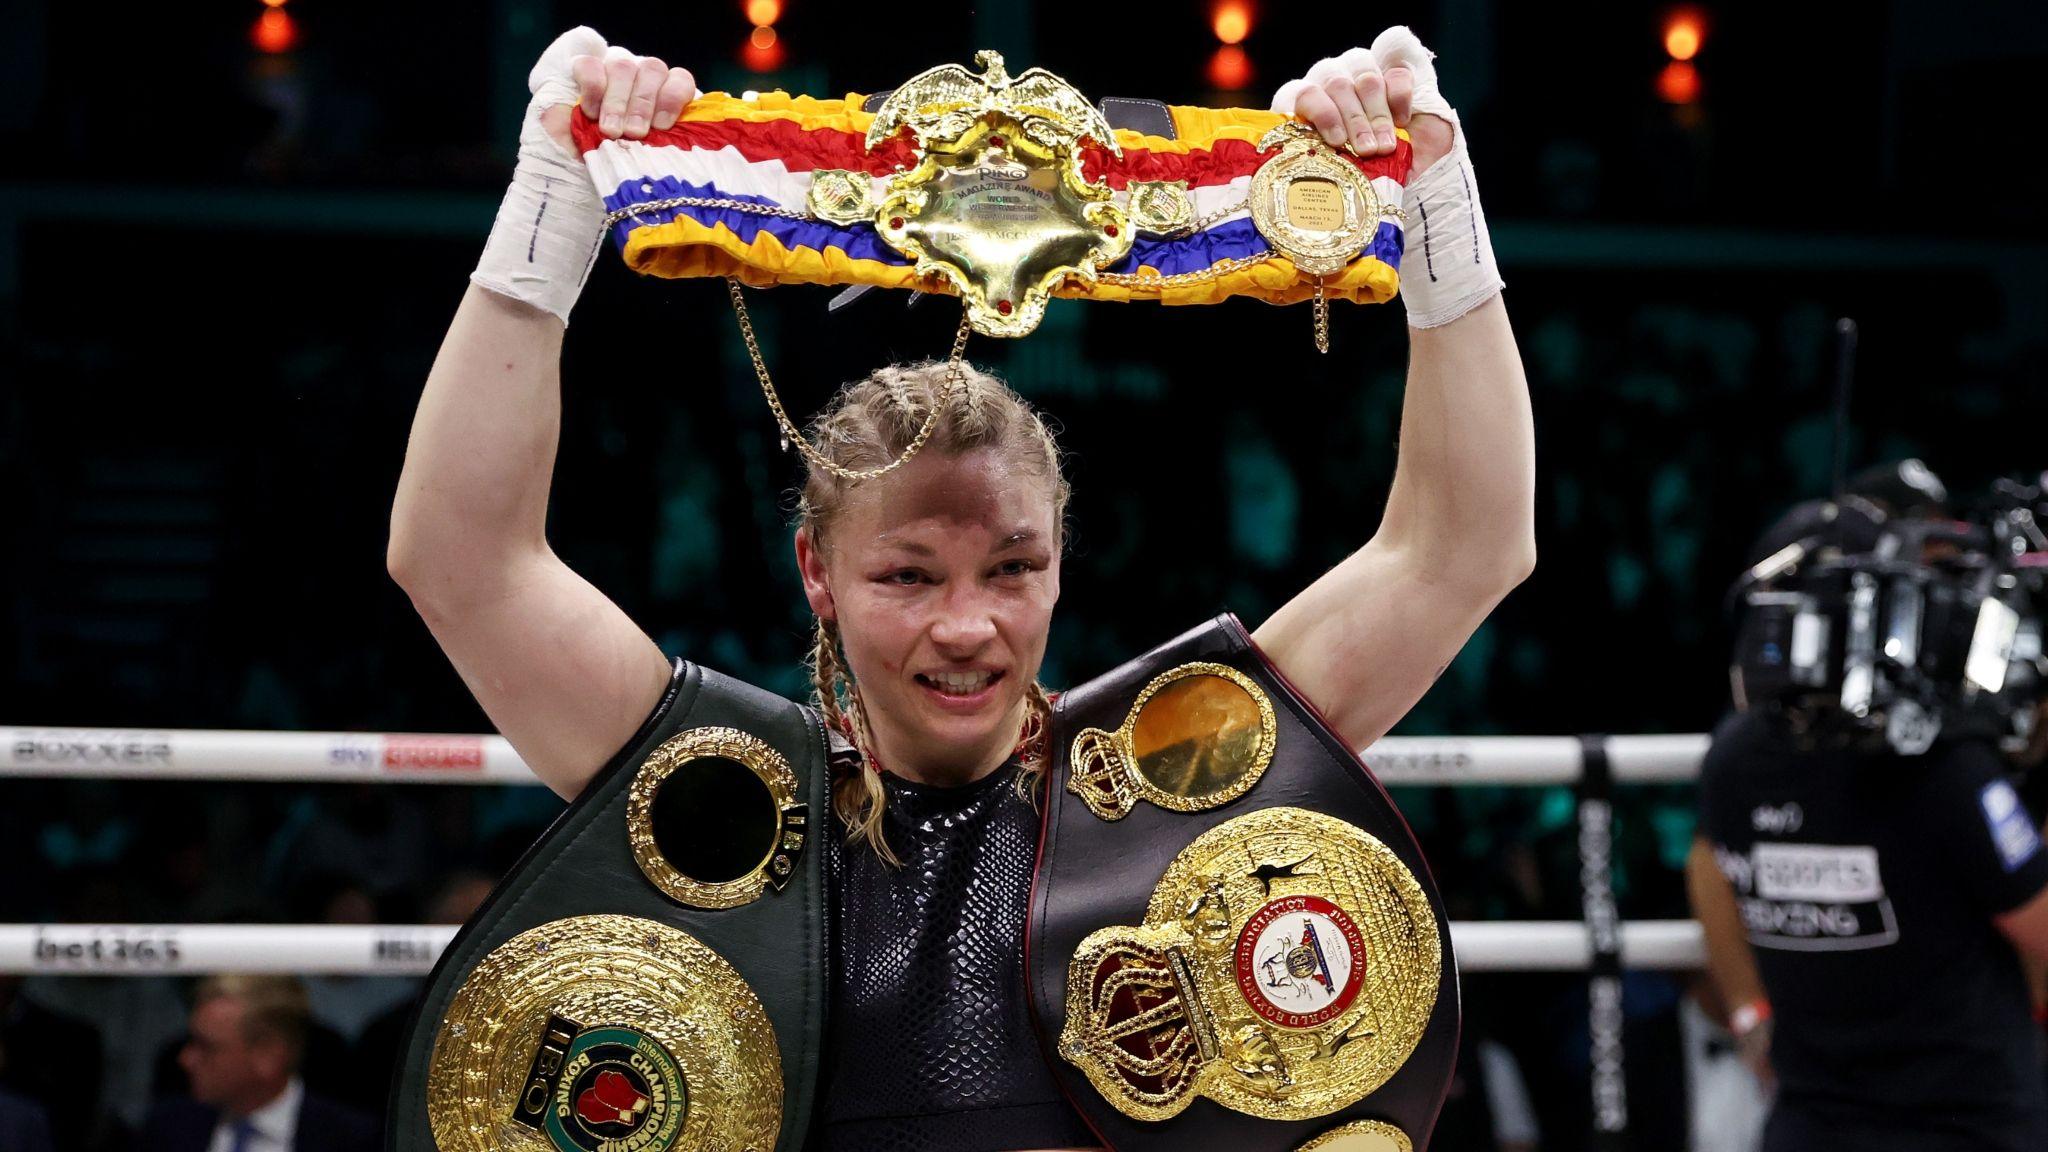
{"points": [[224, 272]]}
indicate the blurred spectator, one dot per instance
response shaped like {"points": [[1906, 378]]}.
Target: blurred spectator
{"points": [[460, 896], [376, 1054], [24, 1125], [50, 1059], [248, 1037], [368, 834], [143, 1012], [348, 1004], [93, 829]]}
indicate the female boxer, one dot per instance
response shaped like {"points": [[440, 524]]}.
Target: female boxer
{"points": [[934, 586]]}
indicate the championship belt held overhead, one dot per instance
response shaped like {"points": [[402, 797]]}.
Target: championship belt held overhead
{"points": [[1004, 191]]}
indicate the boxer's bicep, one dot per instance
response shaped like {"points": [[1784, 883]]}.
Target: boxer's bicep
{"points": [[559, 668], [1365, 641]]}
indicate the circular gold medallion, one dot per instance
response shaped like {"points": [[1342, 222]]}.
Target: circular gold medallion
{"points": [[1198, 736], [605, 1034], [1312, 205], [714, 820]]}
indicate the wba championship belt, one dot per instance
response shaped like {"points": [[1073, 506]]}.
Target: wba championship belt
{"points": [[1004, 191], [1235, 943], [650, 976]]}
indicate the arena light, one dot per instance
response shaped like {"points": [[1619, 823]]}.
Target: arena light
{"points": [[1678, 83], [1230, 69], [275, 32], [763, 51], [1232, 20], [1684, 31]]}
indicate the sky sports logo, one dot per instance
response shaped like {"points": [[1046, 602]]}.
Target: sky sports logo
{"points": [[434, 753], [1811, 897]]}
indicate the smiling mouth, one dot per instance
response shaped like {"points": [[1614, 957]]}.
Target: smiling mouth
{"points": [[959, 684]]}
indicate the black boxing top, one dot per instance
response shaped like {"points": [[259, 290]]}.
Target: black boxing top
{"points": [[1867, 884], [928, 1042]]}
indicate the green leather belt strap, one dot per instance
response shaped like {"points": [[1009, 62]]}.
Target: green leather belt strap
{"points": [[582, 901]]}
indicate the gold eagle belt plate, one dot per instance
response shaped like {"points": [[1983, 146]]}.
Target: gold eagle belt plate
{"points": [[997, 203], [1287, 966], [605, 1034]]}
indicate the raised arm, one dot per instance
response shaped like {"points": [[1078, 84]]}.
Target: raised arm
{"points": [[558, 667], [1366, 640]]}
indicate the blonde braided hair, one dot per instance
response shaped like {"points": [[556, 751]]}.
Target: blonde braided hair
{"points": [[866, 426]]}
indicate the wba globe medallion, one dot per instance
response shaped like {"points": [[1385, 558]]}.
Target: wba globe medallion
{"points": [[1300, 961], [1287, 967]]}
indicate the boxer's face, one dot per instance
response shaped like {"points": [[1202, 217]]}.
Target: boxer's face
{"points": [[942, 577]]}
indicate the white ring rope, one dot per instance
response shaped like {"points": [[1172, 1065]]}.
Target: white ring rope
{"points": [[328, 757], [410, 949]]}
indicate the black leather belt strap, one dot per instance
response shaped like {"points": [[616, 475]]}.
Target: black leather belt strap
{"points": [[584, 865], [1150, 117], [1095, 873]]}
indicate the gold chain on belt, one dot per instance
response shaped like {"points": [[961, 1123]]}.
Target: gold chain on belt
{"points": [[790, 434]]}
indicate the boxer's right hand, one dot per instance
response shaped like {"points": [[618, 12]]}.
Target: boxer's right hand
{"points": [[545, 238], [626, 94]]}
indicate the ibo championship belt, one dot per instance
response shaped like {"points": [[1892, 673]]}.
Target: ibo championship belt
{"points": [[650, 977], [1235, 943], [1005, 191]]}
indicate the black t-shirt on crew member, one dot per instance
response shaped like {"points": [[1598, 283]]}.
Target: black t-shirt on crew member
{"points": [[1868, 884]]}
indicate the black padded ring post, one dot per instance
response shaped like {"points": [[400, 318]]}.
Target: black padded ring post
{"points": [[1603, 927]]}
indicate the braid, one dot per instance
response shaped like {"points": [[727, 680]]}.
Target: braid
{"points": [[1034, 744], [857, 796], [899, 390], [827, 674]]}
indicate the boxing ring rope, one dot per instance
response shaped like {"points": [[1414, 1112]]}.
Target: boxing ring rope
{"points": [[410, 949], [1600, 944], [344, 757]]}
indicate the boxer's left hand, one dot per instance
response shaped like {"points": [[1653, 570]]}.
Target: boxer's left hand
{"points": [[1356, 100]]}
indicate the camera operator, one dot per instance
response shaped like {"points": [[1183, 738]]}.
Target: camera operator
{"points": [[1872, 851]]}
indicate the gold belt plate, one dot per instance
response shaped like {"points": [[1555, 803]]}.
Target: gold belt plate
{"points": [[1287, 967], [605, 1034], [997, 204]]}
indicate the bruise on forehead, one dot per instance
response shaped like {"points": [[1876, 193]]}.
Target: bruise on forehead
{"points": [[977, 489]]}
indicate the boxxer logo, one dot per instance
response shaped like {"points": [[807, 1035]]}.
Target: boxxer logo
{"points": [[86, 750]]}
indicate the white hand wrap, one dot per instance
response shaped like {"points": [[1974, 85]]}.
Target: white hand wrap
{"points": [[1445, 227], [550, 225]]}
